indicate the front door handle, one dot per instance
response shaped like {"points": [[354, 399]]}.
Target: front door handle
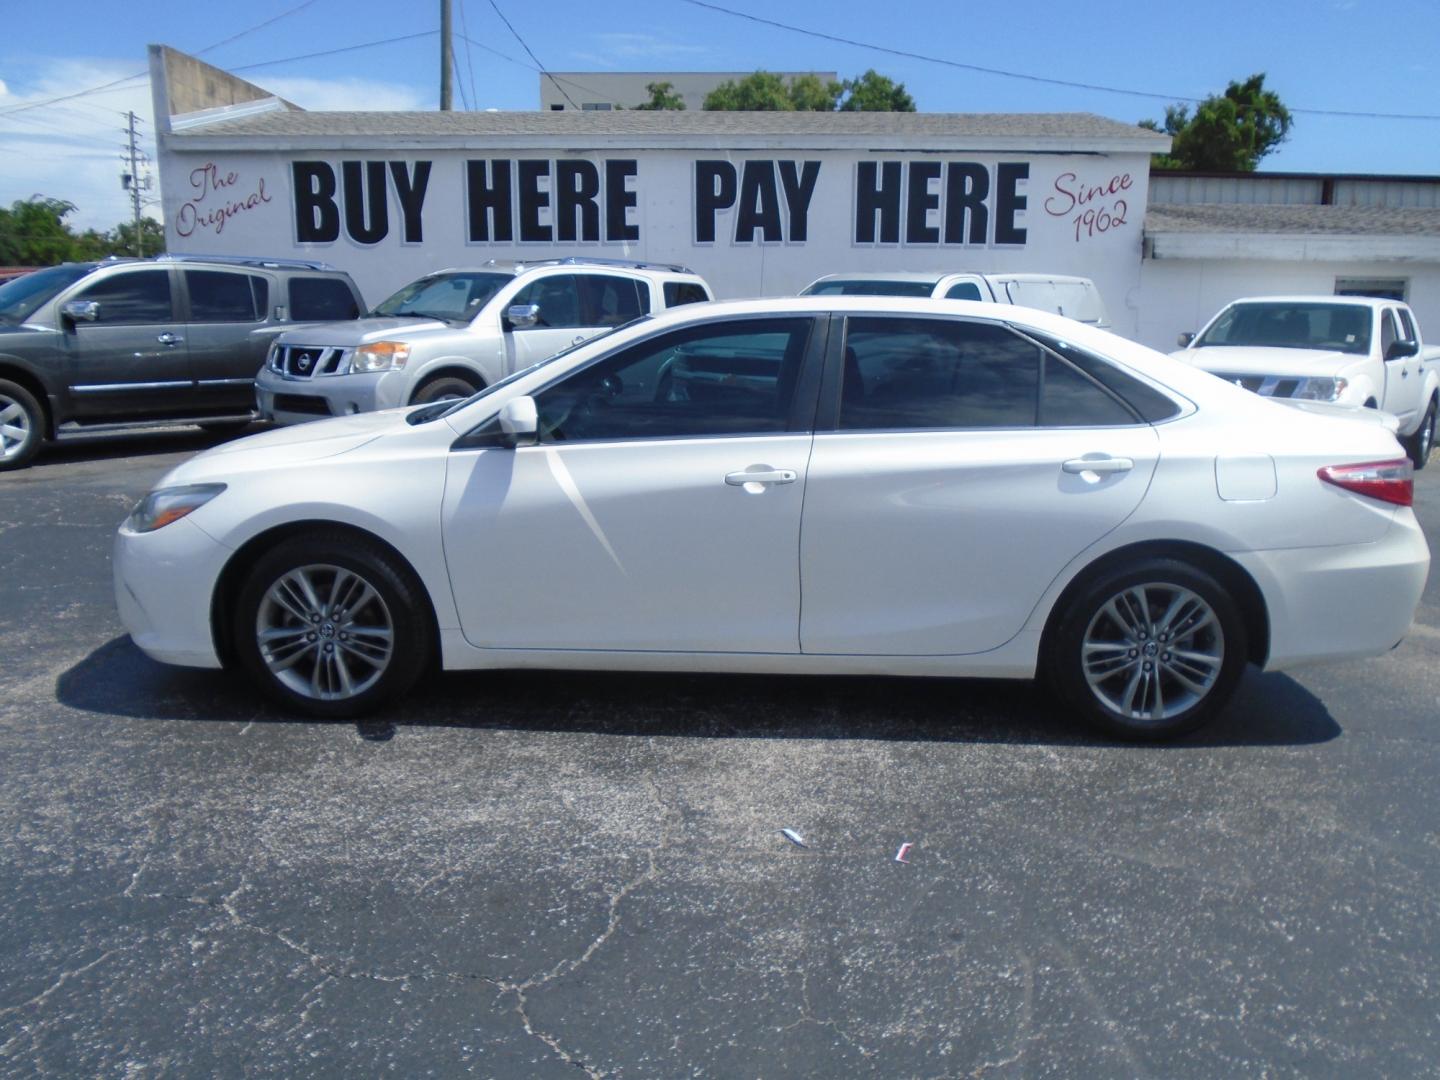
{"points": [[168, 338], [1099, 466], [760, 475]]}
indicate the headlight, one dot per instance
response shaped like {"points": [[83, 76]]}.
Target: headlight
{"points": [[272, 356], [164, 505], [381, 356], [1321, 389]]}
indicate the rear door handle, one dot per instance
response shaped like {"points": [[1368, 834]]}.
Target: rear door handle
{"points": [[1100, 466], [168, 338], [761, 474]]}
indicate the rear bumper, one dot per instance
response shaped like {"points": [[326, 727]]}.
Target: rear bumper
{"points": [[1336, 603], [297, 401]]}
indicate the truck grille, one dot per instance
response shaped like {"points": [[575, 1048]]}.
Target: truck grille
{"points": [[1264, 385], [307, 361]]}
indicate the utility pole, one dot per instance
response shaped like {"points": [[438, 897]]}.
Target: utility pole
{"points": [[132, 181], [445, 55]]}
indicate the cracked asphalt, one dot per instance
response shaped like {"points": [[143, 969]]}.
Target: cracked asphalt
{"points": [[543, 874]]}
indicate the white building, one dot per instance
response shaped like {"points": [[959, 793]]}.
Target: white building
{"points": [[763, 203]]}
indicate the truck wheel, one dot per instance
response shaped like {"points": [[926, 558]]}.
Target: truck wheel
{"points": [[1419, 445], [22, 426], [443, 388]]}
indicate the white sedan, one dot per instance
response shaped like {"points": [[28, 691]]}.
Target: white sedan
{"points": [[822, 485]]}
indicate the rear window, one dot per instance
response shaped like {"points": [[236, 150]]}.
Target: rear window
{"points": [[315, 299], [684, 292], [220, 296], [1149, 404], [870, 288]]}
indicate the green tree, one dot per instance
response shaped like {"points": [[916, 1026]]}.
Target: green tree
{"points": [[873, 92], [764, 91], [810, 93], [662, 98], [121, 239], [1228, 132], [33, 232]]}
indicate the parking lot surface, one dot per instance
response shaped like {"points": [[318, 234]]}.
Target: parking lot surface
{"points": [[537, 874]]}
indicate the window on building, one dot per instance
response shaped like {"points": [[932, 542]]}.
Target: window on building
{"points": [[1381, 288]]}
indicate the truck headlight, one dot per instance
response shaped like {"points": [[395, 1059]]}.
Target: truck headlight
{"points": [[1321, 389], [272, 356], [165, 505], [380, 356]]}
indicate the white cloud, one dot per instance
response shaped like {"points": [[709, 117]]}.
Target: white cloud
{"points": [[621, 48], [72, 150]]}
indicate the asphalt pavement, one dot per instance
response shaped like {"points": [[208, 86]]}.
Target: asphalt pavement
{"points": [[540, 874]]}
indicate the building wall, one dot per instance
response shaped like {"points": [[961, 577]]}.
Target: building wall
{"points": [[1181, 295], [1071, 213]]}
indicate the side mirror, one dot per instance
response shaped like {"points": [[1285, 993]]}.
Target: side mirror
{"points": [[519, 422], [523, 316], [1184, 340], [81, 310], [1399, 350]]}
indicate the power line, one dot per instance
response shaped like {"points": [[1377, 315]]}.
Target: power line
{"points": [[469, 56], [143, 74], [532, 55], [336, 52], [1024, 75]]}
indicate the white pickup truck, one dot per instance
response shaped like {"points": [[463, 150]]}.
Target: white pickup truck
{"points": [[1349, 350]]}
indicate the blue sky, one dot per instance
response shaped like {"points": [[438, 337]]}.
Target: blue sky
{"points": [[1350, 55]]}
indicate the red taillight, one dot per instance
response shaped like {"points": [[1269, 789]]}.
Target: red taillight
{"points": [[1388, 481]]}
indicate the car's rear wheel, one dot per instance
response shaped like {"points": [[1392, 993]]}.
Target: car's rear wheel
{"points": [[444, 388], [1419, 445], [1148, 651], [332, 625], [22, 426]]}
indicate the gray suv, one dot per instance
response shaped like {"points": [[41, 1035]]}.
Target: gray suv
{"points": [[170, 340]]}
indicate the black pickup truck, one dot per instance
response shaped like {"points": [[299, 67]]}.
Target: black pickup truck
{"points": [[170, 340]]}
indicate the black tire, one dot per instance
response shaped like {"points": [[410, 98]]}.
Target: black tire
{"points": [[302, 686], [22, 426], [442, 387], [1124, 663], [1419, 445]]}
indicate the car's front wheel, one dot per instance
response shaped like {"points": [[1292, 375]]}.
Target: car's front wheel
{"points": [[332, 625], [1148, 651], [22, 426]]}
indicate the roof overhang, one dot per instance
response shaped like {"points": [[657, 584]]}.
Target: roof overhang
{"points": [[1293, 247]]}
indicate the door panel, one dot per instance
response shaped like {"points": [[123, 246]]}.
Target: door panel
{"points": [[227, 335], [133, 359], [939, 543], [638, 545]]}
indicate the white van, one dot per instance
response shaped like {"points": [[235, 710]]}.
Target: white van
{"points": [[1074, 297]]}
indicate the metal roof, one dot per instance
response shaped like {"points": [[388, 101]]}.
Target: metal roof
{"points": [[1292, 220], [670, 127]]}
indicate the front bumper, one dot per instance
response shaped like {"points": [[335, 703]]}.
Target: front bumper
{"points": [[296, 401], [1337, 603], [164, 582]]}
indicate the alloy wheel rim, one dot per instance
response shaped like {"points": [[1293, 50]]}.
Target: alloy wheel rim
{"points": [[15, 429], [1427, 435], [325, 632], [1153, 651]]}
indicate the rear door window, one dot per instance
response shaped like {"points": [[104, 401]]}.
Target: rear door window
{"points": [[925, 374], [964, 290], [317, 299], [137, 296], [221, 296], [612, 300], [684, 292]]}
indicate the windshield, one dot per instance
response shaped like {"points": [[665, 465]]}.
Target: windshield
{"points": [[445, 408], [451, 297], [20, 296], [1329, 327], [870, 288]]}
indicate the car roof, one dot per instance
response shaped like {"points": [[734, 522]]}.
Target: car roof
{"points": [[1357, 301], [898, 275]]}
